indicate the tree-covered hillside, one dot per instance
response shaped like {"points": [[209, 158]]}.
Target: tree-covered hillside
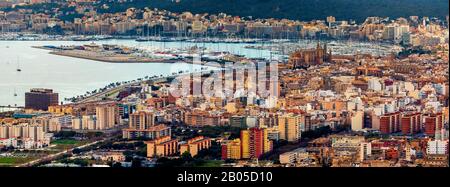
{"points": [[298, 9]]}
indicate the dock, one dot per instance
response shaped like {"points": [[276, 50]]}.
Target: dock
{"points": [[110, 56]]}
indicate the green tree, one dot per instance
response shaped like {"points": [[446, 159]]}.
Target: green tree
{"points": [[136, 162]]}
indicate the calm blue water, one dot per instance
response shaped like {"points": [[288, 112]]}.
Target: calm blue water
{"points": [[71, 76]]}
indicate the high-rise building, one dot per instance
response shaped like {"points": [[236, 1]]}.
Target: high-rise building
{"points": [[268, 144], [106, 117], [289, 126], [87, 122], [390, 123], [141, 120], [389, 32], [24, 131], [255, 143], [433, 123], [76, 123], [232, 149], [365, 150], [408, 152], [437, 147], [357, 121], [40, 99], [410, 123], [245, 144]]}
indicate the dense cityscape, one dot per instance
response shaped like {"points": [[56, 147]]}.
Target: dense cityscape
{"points": [[330, 93]]}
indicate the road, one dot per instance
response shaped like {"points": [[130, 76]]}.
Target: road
{"points": [[56, 155], [100, 95]]}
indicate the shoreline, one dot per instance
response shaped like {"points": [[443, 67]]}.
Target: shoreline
{"points": [[90, 55], [112, 59], [124, 59], [95, 97], [191, 40]]}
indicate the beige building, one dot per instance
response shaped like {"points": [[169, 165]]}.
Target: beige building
{"points": [[141, 120], [245, 144], [162, 147], [87, 122], [232, 149], [194, 145], [357, 121], [289, 127], [24, 131], [294, 156], [106, 117], [154, 132]]}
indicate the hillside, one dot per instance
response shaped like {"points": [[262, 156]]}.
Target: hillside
{"points": [[299, 9]]}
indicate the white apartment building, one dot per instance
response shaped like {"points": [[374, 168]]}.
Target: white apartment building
{"points": [[437, 147]]}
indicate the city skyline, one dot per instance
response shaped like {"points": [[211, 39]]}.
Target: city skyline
{"points": [[218, 90]]}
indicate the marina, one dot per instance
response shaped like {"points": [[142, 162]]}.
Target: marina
{"points": [[107, 53], [75, 76]]}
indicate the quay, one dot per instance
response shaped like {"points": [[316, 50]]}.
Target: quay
{"points": [[113, 54], [111, 59], [121, 54]]}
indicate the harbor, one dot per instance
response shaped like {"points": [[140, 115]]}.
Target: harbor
{"points": [[68, 75], [107, 53], [113, 53], [40, 68]]}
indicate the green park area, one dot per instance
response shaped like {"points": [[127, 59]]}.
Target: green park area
{"points": [[211, 163], [12, 161], [64, 144]]}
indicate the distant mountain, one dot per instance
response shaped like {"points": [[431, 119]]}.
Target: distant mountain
{"points": [[301, 9]]}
